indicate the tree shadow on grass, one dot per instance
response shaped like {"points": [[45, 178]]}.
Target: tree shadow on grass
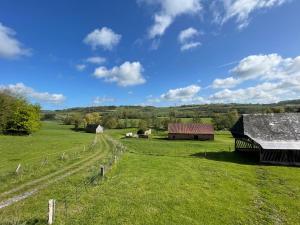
{"points": [[228, 156], [80, 130], [224, 156]]}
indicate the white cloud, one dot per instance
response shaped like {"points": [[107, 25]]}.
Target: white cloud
{"points": [[127, 74], [225, 83], [96, 60], [241, 10], [102, 100], [169, 10], [10, 47], [270, 66], [187, 39], [187, 34], [80, 67], [267, 92], [280, 80], [263, 67], [162, 22], [43, 97], [104, 37], [184, 94], [190, 45]]}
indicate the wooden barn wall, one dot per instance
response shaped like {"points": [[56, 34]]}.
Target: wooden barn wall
{"points": [[246, 145], [201, 137], [281, 157]]}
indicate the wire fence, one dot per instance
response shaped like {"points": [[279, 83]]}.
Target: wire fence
{"points": [[47, 163], [97, 176]]}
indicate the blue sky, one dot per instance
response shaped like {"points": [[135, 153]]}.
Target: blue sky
{"points": [[150, 52]]}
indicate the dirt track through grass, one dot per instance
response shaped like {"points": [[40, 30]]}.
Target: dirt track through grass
{"points": [[32, 187]]}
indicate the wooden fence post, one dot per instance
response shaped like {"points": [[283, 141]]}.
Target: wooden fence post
{"points": [[62, 156], [18, 169], [102, 172], [51, 211]]}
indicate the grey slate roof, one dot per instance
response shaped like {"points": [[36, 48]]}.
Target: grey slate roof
{"points": [[271, 131]]}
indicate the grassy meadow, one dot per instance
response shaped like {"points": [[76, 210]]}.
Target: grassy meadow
{"points": [[157, 181], [54, 147]]}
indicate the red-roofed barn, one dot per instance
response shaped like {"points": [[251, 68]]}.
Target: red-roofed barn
{"points": [[190, 131]]}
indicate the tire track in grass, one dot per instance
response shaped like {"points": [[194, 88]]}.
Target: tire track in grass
{"points": [[91, 160], [267, 213], [49, 176], [65, 169]]}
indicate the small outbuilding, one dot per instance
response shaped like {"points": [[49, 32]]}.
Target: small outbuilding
{"points": [[190, 131], [274, 137], [94, 128]]}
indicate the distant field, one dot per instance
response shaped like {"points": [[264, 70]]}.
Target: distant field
{"points": [[206, 120], [158, 181]]}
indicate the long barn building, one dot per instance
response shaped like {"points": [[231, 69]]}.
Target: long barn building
{"points": [[275, 137], [190, 131]]}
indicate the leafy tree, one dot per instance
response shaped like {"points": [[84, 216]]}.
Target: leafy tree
{"points": [[68, 119], [157, 123], [197, 117], [49, 116], [92, 118], [278, 110], [225, 121], [110, 122], [7, 106], [133, 123], [143, 125], [166, 121], [76, 120], [25, 118]]}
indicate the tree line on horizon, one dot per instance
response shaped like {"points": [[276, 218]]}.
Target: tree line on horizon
{"points": [[114, 120], [222, 117]]}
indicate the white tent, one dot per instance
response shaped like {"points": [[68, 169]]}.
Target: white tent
{"points": [[99, 129]]}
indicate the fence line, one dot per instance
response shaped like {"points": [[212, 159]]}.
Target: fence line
{"points": [[117, 149]]}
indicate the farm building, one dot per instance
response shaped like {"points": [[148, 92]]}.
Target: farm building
{"points": [[94, 128], [190, 131], [275, 137]]}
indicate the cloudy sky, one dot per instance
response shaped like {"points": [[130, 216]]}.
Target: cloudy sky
{"points": [[150, 52]]}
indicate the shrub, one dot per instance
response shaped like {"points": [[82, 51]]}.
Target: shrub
{"points": [[49, 116], [225, 121], [110, 122], [17, 116]]}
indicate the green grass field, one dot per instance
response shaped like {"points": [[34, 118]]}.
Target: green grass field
{"points": [[158, 181], [40, 153]]}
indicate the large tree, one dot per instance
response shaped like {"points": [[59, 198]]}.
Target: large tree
{"points": [[17, 116]]}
